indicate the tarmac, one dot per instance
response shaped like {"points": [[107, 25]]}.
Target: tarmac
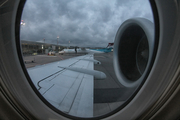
{"points": [[34, 60], [109, 94]]}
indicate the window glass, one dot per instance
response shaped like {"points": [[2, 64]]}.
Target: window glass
{"points": [[67, 48]]}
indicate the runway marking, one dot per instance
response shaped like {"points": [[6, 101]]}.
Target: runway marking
{"points": [[61, 58]]}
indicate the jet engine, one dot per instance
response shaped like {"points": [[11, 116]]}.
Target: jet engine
{"points": [[133, 51]]}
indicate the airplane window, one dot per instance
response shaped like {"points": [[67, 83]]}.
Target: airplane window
{"points": [[87, 58]]}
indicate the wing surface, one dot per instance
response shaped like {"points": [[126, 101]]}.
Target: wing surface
{"points": [[68, 90]]}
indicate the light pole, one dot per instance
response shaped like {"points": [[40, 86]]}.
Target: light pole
{"points": [[57, 39], [22, 22], [69, 44], [42, 49]]}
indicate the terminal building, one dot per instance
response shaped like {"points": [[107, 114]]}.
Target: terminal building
{"points": [[30, 47]]}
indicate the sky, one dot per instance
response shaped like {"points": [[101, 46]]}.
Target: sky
{"points": [[83, 23]]}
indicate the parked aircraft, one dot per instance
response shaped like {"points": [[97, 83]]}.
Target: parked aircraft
{"points": [[156, 98], [86, 51]]}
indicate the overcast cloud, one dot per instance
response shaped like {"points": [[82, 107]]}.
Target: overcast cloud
{"points": [[82, 22]]}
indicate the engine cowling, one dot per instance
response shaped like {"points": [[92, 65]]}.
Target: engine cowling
{"points": [[133, 50]]}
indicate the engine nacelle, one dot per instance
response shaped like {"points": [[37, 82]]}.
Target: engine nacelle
{"points": [[133, 50]]}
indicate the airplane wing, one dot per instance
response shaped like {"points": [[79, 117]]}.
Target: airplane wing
{"points": [[68, 84]]}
